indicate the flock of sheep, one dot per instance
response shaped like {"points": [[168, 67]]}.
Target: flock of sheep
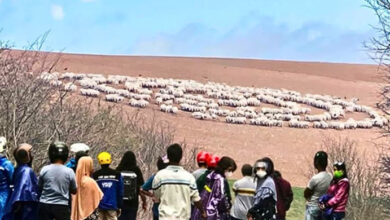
{"points": [[217, 101]]}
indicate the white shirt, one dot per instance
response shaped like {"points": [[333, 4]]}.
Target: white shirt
{"points": [[245, 189], [176, 189], [319, 184]]}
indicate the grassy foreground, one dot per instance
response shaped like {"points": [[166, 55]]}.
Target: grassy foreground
{"points": [[297, 209]]}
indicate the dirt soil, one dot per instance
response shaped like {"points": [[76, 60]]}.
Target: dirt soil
{"points": [[290, 148]]}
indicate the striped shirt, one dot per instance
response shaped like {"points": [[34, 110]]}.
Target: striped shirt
{"points": [[245, 189], [176, 189]]}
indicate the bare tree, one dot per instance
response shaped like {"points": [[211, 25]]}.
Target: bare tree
{"points": [[34, 111], [379, 45]]}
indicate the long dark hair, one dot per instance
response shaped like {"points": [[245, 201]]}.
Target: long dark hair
{"points": [[224, 164], [128, 162]]}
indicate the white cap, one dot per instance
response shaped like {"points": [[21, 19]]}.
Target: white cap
{"points": [[3, 142], [79, 147]]}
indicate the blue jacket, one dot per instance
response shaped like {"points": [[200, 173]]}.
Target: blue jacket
{"points": [[6, 174], [71, 163], [111, 183], [25, 190]]}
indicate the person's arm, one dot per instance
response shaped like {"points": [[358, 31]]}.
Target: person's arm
{"points": [[156, 186], [73, 186], [309, 191], [340, 194], [120, 191], [289, 195], [199, 205], [40, 183], [10, 171], [140, 182]]}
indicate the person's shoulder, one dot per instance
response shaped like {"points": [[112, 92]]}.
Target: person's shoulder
{"points": [[45, 169], [187, 174], [67, 169], [8, 163]]}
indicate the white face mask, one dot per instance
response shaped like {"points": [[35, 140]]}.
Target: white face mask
{"points": [[261, 174], [228, 174]]}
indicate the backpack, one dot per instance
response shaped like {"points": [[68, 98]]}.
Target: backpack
{"points": [[130, 185]]}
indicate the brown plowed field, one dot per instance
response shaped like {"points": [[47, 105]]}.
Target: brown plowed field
{"points": [[288, 147]]}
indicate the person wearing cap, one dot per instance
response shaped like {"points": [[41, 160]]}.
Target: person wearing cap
{"points": [[110, 182], [56, 183], [214, 197], [338, 193], [265, 199], [6, 174], [23, 202], [201, 159], [77, 150], [317, 186], [211, 163]]}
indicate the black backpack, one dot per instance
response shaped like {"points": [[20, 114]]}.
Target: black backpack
{"points": [[130, 185]]}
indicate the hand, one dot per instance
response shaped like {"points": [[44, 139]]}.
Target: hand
{"points": [[322, 206], [204, 215], [249, 216]]}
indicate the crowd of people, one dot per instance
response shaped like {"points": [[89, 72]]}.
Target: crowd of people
{"points": [[72, 189]]}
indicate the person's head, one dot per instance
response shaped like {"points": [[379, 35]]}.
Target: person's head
{"points": [[79, 155], [161, 163], [202, 158], [174, 153], [58, 152], [79, 147], [128, 162], [339, 170], [263, 168], [23, 154], [246, 170], [212, 162], [3, 142], [104, 159], [321, 160], [226, 166], [84, 167]]}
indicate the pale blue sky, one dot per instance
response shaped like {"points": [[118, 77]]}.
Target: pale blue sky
{"points": [[310, 30]]}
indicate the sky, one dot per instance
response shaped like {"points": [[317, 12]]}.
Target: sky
{"points": [[302, 30]]}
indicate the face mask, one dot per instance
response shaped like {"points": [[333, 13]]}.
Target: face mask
{"points": [[228, 174], [338, 174], [261, 174]]}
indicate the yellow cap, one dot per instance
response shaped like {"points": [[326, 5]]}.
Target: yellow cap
{"points": [[104, 158]]}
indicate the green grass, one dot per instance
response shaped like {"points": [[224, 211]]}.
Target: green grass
{"points": [[297, 209]]}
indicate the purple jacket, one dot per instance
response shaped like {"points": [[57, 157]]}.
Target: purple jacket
{"points": [[340, 192], [214, 198]]}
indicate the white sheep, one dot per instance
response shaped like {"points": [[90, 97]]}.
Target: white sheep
{"points": [[298, 124], [169, 108], [114, 98], [320, 124], [138, 103], [70, 87], [89, 92], [235, 120]]}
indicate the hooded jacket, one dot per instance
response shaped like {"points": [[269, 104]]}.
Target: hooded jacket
{"points": [[6, 174]]}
